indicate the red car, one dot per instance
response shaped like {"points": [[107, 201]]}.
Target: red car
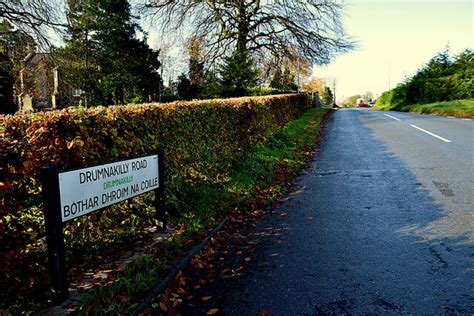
{"points": [[361, 103]]}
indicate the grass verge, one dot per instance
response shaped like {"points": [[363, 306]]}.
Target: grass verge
{"points": [[461, 108], [257, 181]]}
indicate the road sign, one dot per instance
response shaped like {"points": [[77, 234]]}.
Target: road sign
{"points": [[75, 193], [86, 190]]}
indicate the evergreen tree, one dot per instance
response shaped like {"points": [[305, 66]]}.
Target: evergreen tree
{"points": [[196, 62], [277, 79], [238, 74], [328, 98], [80, 56], [7, 106], [463, 69], [442, 78], [196, 66], [128, 65], [117, 67], [184, 88], [285, 80], [288, 80], [211, 87], [14, 46], [196, 77]]}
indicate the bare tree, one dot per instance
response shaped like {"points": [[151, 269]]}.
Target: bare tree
{"points": [[296, 64], [311, 28], [368, 96], [35, 18]]}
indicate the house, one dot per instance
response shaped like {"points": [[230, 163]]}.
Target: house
{"points": [[40, 87], [37, 87]]}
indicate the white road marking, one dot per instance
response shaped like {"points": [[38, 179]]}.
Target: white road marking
{"points": [[465, 119], [395, 118], [429, 133]]}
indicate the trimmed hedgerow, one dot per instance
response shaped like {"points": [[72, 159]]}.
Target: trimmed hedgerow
{"points": [[202, 140]]}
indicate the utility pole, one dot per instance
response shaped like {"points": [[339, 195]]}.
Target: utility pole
{"points": [[298, 74], [334, 89]]}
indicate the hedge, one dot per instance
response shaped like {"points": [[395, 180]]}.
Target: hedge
{"points": [[202, 140]]}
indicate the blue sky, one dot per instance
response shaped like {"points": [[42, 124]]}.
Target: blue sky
{"points": [[395, 38]]}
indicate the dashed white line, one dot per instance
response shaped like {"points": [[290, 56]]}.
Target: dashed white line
{"points": [[432, 134], [395, 118]]}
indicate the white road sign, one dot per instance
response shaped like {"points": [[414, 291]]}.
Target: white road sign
{"points": [[86, 190]]}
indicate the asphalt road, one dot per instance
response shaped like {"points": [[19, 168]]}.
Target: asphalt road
{"points": [[381, 223]]}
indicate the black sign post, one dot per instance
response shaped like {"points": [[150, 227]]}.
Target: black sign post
{"points": [[160, 197], [54, 231], [54, 222]]}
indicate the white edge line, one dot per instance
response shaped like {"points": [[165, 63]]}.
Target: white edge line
{"points": [[395, 118], [429, 133], [465, 119]]}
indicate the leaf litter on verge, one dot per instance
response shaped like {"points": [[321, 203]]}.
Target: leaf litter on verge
{"points": [[212, 311]]}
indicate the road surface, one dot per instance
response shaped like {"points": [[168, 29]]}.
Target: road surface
{"points": [[381, 223]]}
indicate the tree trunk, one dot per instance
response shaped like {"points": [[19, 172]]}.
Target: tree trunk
{"points": [[243, 27]]}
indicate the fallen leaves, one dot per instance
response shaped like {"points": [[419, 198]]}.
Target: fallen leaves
{"points": [[122, 298], [163, 307], [263, 312], [212, 311], [258, 213], [176, 302], [297, 192], [228, 254]]}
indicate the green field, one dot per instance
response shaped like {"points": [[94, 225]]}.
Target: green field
{"points": [[461, 108]]}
